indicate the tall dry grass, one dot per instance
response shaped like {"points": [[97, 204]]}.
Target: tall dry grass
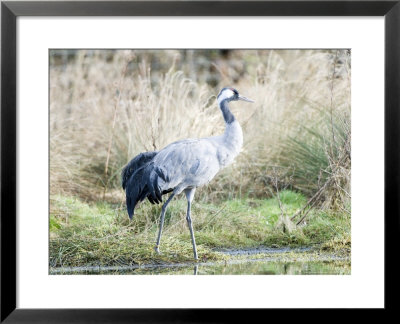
{"points": [[106, 107]]}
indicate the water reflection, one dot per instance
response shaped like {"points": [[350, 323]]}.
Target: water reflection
{"points": [[256, 267], [271, 268]]}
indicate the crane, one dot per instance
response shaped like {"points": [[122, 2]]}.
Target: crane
{"points": [[183, 166]]}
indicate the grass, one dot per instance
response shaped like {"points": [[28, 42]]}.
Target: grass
{"points": [[101, 234]]}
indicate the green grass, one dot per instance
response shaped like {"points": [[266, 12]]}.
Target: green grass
{"points": [[101, 234]]}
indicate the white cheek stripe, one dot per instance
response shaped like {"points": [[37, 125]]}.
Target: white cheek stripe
{"points": [[227, 93]]}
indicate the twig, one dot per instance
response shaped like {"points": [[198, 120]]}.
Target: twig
{"points": [[215, 215], [332, 81], [311, 202], [275, 179], [284, 217], [113, 125]]}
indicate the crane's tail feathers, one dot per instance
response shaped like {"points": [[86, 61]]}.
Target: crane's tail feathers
{"points": [[132, 175], [151, 200], [130, 206], [137, 162], [155, 182], [134, 189], [141, 179]]}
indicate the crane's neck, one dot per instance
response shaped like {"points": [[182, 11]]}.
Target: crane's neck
{"points": [[233, 135], [226, 112]]}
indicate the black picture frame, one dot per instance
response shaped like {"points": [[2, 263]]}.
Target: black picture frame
{"points": [[11, 10]]}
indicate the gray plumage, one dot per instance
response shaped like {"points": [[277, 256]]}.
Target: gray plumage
{"points": [[183, 165]]}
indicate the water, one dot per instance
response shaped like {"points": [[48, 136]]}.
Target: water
{"points": [[243, 262]]}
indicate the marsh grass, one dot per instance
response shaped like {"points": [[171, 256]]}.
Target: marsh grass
{"points": [[100, 233]]}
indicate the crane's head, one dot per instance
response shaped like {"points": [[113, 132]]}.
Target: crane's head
{"points": [[230, 94]]}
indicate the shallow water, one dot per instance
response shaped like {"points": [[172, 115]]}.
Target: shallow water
{"points": [[244, 262]]}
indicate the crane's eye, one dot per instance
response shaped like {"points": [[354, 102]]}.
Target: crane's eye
{"points": [[233, 90]]}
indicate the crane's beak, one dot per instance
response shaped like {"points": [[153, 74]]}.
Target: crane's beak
{"points": [[245, 99]]}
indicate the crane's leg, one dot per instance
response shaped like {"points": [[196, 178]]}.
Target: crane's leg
{"points": [[163, 209], [189, 196]]}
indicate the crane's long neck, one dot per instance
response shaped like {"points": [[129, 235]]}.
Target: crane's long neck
{"points": [[226, 112], [233, 136]]}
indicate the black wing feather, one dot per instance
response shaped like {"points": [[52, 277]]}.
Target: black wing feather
{"points": [[141, 179], [132, 180], [137, 162]]}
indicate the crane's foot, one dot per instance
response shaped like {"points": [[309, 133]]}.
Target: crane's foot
{"points": [[196, 257], [156, 248]]}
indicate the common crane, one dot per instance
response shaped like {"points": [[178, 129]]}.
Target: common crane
{"points": [[183, 166]]}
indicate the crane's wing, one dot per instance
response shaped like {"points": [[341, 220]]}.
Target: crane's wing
{"points": [[137, 162], [191, 162], [132, 179]]}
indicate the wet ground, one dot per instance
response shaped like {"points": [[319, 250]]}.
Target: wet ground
{"points": [[258, 261]]}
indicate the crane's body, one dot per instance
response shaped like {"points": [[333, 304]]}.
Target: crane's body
{"points": [[183, 165]]}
